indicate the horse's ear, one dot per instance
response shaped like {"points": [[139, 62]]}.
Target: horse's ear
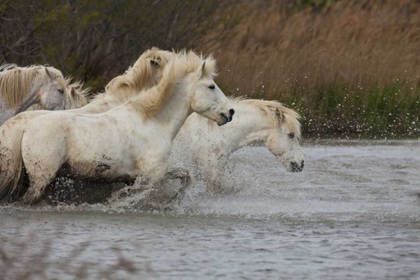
{"points": [[50, 74], [154, 63], [279, 114], [203, 69]]}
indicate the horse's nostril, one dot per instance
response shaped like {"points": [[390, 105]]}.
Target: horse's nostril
{"points": [[295, 167], [231, 111], [303, 163]]}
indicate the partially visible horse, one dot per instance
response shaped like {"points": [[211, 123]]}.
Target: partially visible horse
{"points": [[76, 97], [145, 73], [76, 94], [24, 87], [207, 148], [131, 141]]}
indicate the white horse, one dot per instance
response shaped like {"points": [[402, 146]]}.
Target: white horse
{"points": [[207, 148], [133, 140], [22, 88], [144, 74]]}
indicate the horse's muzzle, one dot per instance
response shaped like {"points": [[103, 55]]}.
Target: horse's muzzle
{"points": [[296, 167], [227, 117]]}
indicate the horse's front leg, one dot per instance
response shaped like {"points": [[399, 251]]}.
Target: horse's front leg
{"points": [[151, 172], [214, 172]]}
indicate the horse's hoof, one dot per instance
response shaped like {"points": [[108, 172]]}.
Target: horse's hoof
{"points": [[31, 197]]}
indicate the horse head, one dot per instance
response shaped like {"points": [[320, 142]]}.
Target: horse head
{"points": [[52, 93], [207, 99], [283, 139]]}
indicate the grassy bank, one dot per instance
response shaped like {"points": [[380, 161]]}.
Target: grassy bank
{"points": [[349, 67]]}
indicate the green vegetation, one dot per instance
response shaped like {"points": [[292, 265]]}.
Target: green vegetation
{"points": [[98, 39], [391, 111], [350, 68]]}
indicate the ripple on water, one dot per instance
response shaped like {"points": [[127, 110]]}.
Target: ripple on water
{"points": [[354, 212]]}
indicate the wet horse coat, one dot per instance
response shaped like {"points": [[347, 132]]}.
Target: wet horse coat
{"points": [[129, 141], [145, 73], [206, 148]]}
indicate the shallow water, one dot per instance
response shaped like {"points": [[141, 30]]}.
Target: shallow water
{"points": [[354, 212]]}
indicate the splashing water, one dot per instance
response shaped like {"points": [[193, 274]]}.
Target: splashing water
{"points": [[354, 212]]}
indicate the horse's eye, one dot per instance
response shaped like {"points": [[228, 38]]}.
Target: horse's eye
{"points": [[212, 87], [61, 91], [292, 135]]}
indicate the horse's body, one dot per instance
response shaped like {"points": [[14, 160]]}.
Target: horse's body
{"points": [[131, 140], [26, 88], [207, 148], [144, 74]]}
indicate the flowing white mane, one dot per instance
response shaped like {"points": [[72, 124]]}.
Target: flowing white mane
{"points": [[15, 81], [138, 77], [75, 92], [151, 101], [291, 117]]}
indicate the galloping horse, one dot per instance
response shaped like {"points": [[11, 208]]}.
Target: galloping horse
{"points": [[145, 73], [131, 141], [208, 147]]}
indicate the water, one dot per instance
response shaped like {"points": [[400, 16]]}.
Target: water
{"points": [[354, 212]]}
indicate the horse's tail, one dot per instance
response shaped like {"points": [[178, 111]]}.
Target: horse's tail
{"points": [[11, 165]]}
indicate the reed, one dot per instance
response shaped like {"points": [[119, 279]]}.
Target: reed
{"points": [[349, 67]]}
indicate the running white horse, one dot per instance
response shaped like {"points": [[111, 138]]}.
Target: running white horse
{"points": [[131, 141], [206, 148], [21, 88], [145, 73]]}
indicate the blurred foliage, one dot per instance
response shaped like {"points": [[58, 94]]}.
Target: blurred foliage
{"points": [[349, 67], [315, 3], [98, 39]]}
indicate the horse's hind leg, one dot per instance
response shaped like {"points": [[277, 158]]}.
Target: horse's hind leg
{"points": [[36, 190], [40, 175], [42, 163]]}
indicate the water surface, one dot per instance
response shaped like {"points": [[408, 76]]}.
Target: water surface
{"points": [[354, 212]]}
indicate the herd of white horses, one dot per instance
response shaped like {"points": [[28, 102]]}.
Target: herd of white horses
{"points": [[165, 105]]}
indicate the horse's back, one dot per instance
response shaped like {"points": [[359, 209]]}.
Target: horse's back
{"points": [[87, 143]]}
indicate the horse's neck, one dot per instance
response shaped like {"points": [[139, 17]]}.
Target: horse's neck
{"points": [[120, 97], [32, 97], [176, 111], [5, 112], [249, 125]]}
